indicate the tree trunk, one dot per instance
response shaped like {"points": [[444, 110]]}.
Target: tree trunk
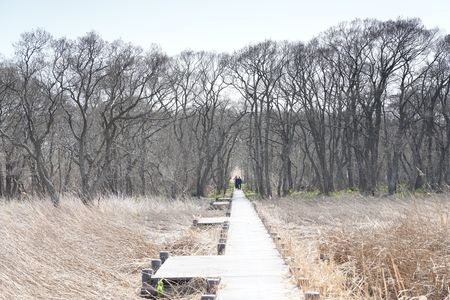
{"points": [[2, 190], [44, 176]]}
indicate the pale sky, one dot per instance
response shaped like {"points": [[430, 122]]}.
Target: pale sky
{"points": [[222, 26]]}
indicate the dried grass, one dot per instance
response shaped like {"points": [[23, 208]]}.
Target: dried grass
{"points": [[354, 247], [191, 290], [83, 252]]}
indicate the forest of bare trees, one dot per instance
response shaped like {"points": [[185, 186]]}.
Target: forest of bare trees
{"points": [[364, 106]]}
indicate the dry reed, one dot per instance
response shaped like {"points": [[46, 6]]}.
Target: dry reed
{"points": [[79, 252], [354, 247]]}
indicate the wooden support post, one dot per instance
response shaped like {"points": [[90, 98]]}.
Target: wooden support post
{"points": [[211, 285], [208, 297], [195, 222], [156, 264], [163, 255], [146, 277], [220, 248], [312, 295], [228, 214]]}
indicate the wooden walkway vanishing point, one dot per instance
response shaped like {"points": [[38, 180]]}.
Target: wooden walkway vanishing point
{"points": [[251, 267]]}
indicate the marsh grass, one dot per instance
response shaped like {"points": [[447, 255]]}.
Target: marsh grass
{"points": [[354, 247], [96, 252]]}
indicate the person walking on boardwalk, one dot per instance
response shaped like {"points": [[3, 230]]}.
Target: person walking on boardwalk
{"points": [[238, 183], [236, 186]]}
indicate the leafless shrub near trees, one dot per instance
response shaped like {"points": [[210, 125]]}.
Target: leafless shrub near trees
{"points": [[363, 105]]}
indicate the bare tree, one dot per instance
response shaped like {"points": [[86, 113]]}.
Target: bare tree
{"points": [[37, 90]]}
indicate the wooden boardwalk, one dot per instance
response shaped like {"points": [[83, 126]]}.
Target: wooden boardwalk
{"points": [[262, 274], [251, 267]]}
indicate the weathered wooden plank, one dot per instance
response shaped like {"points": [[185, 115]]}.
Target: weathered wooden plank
{"points": [[183, 267], [220, 203], [224, 199], [210, 221]]}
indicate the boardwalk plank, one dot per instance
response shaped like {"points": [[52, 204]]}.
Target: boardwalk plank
{"points": [[211, 220]]}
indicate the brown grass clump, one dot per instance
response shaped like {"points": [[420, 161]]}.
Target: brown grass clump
{"points": [[350, 247], [191, 290], [196, 242], [83, 252]]}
